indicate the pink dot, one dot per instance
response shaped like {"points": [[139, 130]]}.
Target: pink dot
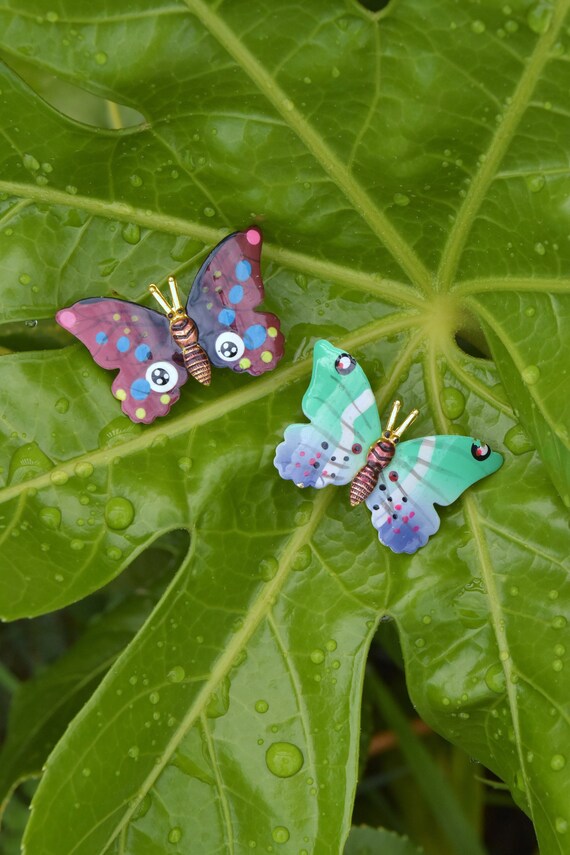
{"points": [[389, 519], [325, 473], [318, 454], [416, 528], [66, 318], [312, 460], [301, 454], [398, 507], [298, 465], [396, 531], [412, 514], [306, 474], [253, 237], [405, 519]]}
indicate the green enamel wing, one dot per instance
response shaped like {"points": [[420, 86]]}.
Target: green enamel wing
{"points": [[345, 425]]}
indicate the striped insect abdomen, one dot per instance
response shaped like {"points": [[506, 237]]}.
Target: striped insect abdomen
{"points": [[379, 456], [185, 334]]}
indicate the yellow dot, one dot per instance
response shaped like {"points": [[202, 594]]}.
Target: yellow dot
{"points": [[116, 316], [127, 330], [271, 332], [165, 399], [140, 412], [120, 394], [245, 363], [266, 356], [134, 318]]}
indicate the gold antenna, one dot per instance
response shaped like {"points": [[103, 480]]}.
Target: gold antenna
{"points": [[160, 299], [406, 423], [393, 416], [176, 303]]}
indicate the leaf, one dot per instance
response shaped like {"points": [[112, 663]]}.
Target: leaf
{"points": [[410, 171], [378, 841]]}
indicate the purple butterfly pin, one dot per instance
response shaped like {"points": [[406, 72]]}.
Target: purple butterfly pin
{"points": [[155, 353]]}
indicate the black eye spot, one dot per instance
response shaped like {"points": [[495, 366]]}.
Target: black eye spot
{"points": [[333, 458], [346, 457], [382, 486], [480, 451], [324, 445], [333, 474], [394, 516], [356, 448], [389, 498], [345, 363], [316, 465], [375, 507], [404, 498]]}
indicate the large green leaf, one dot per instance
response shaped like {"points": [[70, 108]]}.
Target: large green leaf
{"points": [[410, 170]]}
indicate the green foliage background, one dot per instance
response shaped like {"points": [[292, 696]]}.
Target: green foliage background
{"points": [[410, 171]]}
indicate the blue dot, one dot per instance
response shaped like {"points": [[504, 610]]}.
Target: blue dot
{"points": [[227, 317], [236, 294], [142, 353], [254, 336], [243, 270], [140, 389], [123, 344], [101, 338]]}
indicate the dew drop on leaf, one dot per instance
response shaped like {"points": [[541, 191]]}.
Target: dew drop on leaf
{"points": [[557, 762], [280, 834], [401, 199], [284, 759], [175, 834], [176, 674], [517, 441], [268, 568], [84, 469], [131, 233], [118, 431], [62, 406], [154, 697], [24, 278], [531, 374], [119, 513], [561, 825], [495, 678], [539, 18], [331, 645], [317, 656], [77, 545], [303, 513], [136, 180], [28, 461], [261, 706], [535, 183], [219, 702], [114, 553], [51, 517], [302, 558], [209, 212], [452, 402], [477, 27], [59, 477], [30, 162], [540, 248], [185, 464]]}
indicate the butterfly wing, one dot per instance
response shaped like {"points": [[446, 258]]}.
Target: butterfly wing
{"points": [[222, 302], [137, 341], [435, 469], [343, 425]]}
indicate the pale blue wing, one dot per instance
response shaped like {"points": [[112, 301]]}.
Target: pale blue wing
{"points": [[424, 472], [344, 423]]}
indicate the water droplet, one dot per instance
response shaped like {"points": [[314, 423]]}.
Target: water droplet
{"points": [[280, 834], [84, 469], [209, 212], [175, 834], [119, 513], [51, 517], [136, 180], [131, 233], [219, 702], [420, 642], [331, 645], [77, 545], [539, 18], [71, 189], [52, 17], [559, 649], [28, 461], [176, 674], [452, 402], [261, 706], [58, 577], [539, 248], [86, 772], [31, 163], [531, 374], [517, 441], [557, 665], [301, 280], [559, 622], [303, 513], [317, 656], [24, 278], [101, 57], [557, 762], [561, 825], [154, 697], [59, 477], [284, 759], [535, 183], [477, 27], [268, 568], [114, 553], [495, 678], [118, 431], [62, 406], [401, 199], [335, 72], [302, 558], [133, 751], [185, 464], [511, 26]]}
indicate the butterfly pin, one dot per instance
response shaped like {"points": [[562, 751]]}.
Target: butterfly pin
{"points": [[156, 352], [344, 443]]}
